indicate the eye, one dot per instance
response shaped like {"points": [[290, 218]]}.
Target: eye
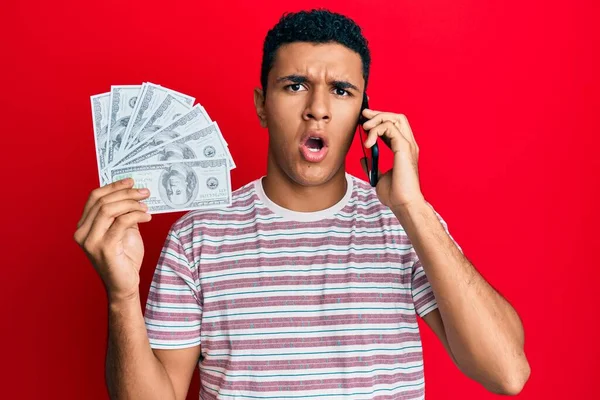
{"points": [[295, 87], [342, 92]]}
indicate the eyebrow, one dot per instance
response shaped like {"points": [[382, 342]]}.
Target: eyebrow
{"points": [[295, 78]]}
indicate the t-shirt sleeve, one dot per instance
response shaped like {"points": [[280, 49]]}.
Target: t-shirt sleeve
{"points": [[422, 294], [173, 313]]}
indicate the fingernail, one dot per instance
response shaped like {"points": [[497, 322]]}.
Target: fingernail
{"points": [[127, 181], [144, 206], [143, 191]]}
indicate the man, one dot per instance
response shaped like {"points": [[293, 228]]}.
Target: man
{"points": [[310, 284]]}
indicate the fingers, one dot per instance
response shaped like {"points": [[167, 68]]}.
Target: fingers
{"points": [[389, 131], [117, 196], [375, 118], [124, 194], [400, 121], [105, 217], [100, 192], [124, 222]]}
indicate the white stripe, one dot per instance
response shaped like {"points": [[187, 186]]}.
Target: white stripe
{"points": [[297, 374]]}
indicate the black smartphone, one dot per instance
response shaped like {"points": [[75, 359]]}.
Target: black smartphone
{"points": [[372, 155]]}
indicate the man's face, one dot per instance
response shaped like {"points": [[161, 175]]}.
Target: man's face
{"points": [[314, 90]]}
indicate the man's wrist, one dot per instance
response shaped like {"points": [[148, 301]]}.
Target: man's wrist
{"points": [[122, 301], [409, 210]]}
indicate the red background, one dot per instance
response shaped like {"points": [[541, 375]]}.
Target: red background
{"points": [[502, 98]]}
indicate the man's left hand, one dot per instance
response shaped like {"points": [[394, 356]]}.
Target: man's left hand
{"points": [[399, 187]]}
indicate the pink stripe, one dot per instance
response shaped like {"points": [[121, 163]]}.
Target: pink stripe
{"points": [[183, 298], [324, 321], [402, 298], [162, 316]]}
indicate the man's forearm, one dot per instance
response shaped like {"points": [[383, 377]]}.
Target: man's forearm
{"points": [[483, 330], [132, 369]]}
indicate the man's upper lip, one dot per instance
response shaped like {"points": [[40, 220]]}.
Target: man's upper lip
{"points": [[315, 134]]}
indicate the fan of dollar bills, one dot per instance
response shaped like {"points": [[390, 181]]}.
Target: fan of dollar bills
{"points": [[158, 137]]}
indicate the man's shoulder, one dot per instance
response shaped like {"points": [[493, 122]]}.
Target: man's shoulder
{"points": [[363, 191], [364, 201]]}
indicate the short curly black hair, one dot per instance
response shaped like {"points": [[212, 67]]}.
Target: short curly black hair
{"points": [[314, 26]]}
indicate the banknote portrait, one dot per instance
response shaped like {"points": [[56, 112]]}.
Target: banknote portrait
{"points": [[178, 185], [146, 133], [176, 151], [163, 137]]}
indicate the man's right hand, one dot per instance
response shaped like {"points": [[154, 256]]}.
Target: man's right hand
{"points": [[108, 233]]}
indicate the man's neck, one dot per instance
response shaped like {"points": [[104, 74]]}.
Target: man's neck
{"points": [[284, 192]]}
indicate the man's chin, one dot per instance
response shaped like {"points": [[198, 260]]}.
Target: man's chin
{"points": [[312, 175]]}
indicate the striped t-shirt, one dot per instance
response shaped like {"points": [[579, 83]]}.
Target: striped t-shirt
{"points": [[294, 305]]}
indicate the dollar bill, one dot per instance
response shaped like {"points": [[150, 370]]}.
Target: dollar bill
{"points": [[181, 186], [229, 157], [202, 144], [194, 119], [100, 109], [170, 109], [151, 97], [122, 102]]}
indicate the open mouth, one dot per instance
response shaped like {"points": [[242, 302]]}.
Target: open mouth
{"points": [[314, 149], [314, 144]]}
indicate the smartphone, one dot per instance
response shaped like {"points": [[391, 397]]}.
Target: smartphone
{"points": [[372, 155]]}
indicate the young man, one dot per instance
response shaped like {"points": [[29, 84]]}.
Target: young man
{"points": [[310, 284]]}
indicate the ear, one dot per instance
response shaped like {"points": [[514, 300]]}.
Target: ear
{"points": [[259, 104]]}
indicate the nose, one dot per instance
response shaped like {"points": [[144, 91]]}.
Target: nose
{"points": [[318, 107]]}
